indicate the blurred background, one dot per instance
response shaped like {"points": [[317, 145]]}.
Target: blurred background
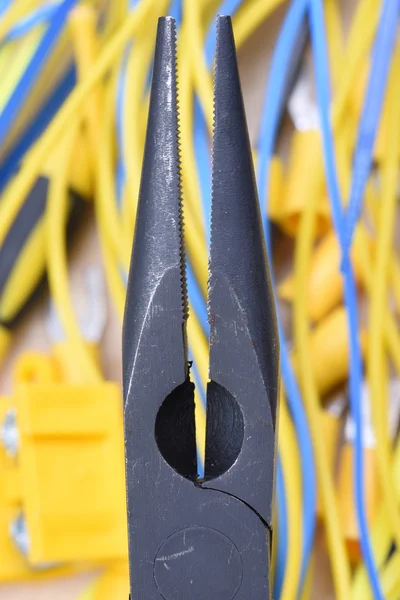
{"points": [[321, 84]]}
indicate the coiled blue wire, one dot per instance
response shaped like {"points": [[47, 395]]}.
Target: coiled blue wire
{"points": [[25, 83], [356, 371], [280, 65], [381, 57]]}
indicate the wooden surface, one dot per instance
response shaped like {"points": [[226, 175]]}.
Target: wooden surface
{"points": [[254, 59]]}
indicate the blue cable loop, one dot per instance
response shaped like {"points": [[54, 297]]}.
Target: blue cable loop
{"points": [[381, 58], [17, 98], [26, 24], [269, 127], [321, 71]]}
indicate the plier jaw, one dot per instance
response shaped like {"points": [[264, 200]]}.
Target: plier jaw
{"points": [[193, 539]]}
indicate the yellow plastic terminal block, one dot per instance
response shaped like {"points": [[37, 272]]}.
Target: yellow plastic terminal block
{"points": [[69, 461], [325, 282], [13, 565], [301, 182], [329, 345]]}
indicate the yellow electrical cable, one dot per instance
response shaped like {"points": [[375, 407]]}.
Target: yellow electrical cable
{"points": [[371, 202], [200, 71], [250, 16], [14, 13], [189, 168], [289, 456], [105, 199], [360, 39], [337, 550], [15, 194], [335, 40], [83, 22], [378, 300], [100, 125], [5, 342], [381, 537], [18, 59], [57, 261]]}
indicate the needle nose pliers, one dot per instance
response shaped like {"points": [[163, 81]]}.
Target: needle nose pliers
{"points": [[193, 539]]}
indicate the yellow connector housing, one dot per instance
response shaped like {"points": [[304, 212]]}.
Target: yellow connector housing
{"points": [[325, 281], [71, 469], [13, 565], [305, 151], [329, 345]]}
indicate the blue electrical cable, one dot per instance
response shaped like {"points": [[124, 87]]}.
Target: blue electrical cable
{"points": [[17, 98], [197, 299], [202, 156], [323, 92], [26, 24], [228, 7], [276, 87], [4, 5], [380, 64], [13, 159]]}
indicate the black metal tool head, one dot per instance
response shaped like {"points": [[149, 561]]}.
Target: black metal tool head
{"points": [[193, 540], [244, 347]]}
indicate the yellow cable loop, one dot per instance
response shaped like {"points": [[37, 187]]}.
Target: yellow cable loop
{"points": [[336, 546], [15, 194], [376, 354], [289, 456], [57, 269]]}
